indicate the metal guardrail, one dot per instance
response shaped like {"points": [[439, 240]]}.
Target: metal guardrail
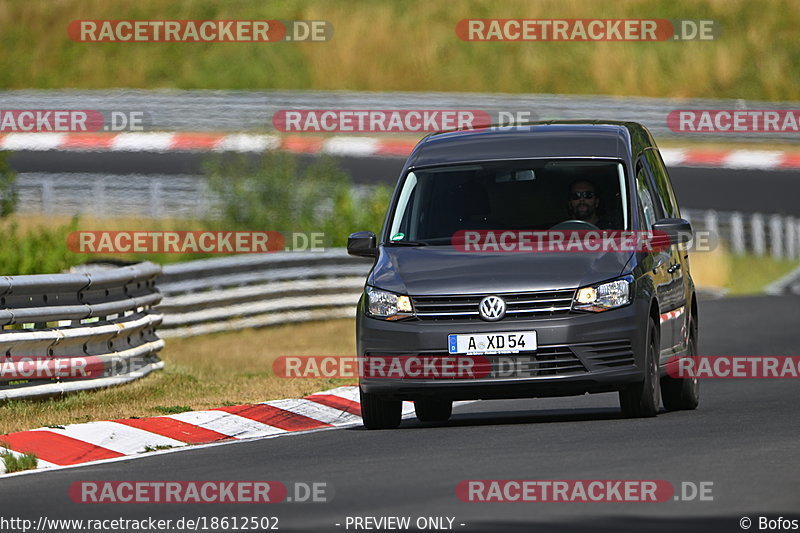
{"points": [[98, 328], [243, 111], [237, 292], [756, 233]]}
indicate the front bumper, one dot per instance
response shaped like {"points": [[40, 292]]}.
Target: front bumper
{"points": [[607, 348]]}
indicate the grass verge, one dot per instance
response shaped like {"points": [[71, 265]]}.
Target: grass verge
{"points": [[739, 275], [411, 45], [200, 373]]}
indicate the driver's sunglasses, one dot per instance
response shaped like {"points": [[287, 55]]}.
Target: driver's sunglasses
{"points": [[581, 194]]}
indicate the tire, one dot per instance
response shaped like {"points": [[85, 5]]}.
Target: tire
{"points": [[378, 413], [641, 400], [682, 394], [433, 410]]}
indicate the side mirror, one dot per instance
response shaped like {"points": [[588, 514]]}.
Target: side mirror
{"points": [[678, 230], [362, 244]]}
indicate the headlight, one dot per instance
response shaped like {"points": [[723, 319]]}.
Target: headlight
{"points": [[604, 296], [388, 305]]}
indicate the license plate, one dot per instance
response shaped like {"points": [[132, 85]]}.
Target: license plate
{"points": [[492, 343]]}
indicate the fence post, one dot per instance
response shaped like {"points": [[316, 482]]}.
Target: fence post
{"points": [[791, 249], [759, 239], [737, 233], [711, 221], [776, 236], [797, 236]]}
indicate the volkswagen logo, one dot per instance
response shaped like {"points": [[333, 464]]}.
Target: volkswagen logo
{"points": [[492, 308]]}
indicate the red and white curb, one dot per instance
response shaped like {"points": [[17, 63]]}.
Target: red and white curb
{"points": [[340, 145], [61, 446]]}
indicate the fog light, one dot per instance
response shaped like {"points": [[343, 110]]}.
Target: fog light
{"points": [[586, 295]]}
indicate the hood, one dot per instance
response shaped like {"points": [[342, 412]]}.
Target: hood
{"points": [[432, 270]]}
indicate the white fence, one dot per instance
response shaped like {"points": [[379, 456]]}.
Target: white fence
{"points": [[750, 233]]}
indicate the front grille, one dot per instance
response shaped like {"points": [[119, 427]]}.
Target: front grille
{"points": [[552, 361], [519, 305], [607, 354]]}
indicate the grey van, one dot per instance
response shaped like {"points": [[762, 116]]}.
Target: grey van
{"points": [[542, 323]]}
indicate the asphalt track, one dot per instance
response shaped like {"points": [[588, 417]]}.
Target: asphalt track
{"points": [[706, 188], [743, 438]]}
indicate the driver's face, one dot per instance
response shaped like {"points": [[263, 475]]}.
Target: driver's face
{"points": [[581, 207]]}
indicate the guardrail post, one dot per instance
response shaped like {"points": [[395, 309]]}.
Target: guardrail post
{"points": [[776, 236], [737, 233], [759, 239]]}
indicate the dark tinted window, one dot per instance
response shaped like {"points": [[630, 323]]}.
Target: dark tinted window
{"points": [[435, 203], [662, 183], [650, 207]]}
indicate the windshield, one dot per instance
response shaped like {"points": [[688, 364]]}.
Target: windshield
{"points": [[435, 203]]}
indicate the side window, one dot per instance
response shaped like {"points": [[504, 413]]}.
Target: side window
{"points": [[647, 206], [662, 183]]}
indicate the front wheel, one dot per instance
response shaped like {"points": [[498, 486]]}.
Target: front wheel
{"points": [[642, 399], [433, 410], [378, 413], [683, 393]]}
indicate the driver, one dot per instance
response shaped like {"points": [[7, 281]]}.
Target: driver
{"points": [[583, 203]]}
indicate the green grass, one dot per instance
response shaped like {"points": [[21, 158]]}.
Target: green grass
{"points": [[411, 45], [15, 463], [737, 275], [751, 274]]}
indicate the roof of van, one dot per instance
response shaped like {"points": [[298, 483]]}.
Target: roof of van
{"points": [[574, 138]]}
